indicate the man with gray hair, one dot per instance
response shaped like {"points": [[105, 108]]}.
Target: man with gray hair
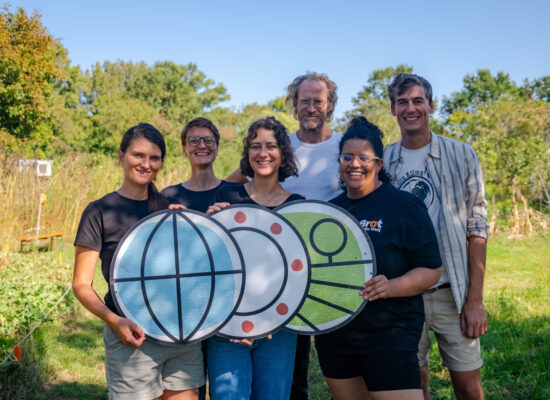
{"points": [[446, 175], [312, 98]]}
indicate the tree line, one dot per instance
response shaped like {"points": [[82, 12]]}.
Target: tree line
{"points": [[50, 108]]}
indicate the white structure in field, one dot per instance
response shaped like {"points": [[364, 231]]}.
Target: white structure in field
{"points": [[43, 168]]}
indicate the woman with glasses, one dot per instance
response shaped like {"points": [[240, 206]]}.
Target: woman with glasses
{"points": [[199, 140], [376, 351], [258, 369]]}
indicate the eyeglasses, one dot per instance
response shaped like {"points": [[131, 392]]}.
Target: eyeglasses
{"points": [[316, 103], [363, 158], [196, 140]]}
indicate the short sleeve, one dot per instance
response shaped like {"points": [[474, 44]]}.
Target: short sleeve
{"points": [[90, 228], [422, 249], [221, 195], [170, 192]]}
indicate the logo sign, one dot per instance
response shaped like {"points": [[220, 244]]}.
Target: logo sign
{"points": [[244, 272]]}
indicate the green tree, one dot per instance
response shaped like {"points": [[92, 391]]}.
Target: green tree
{"points": [[512, 139], [538, 89], [180, 92], [373, 103], [479, 90], [31, 61]]}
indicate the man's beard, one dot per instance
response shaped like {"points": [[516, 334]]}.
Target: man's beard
{"points": [[312, 126]]}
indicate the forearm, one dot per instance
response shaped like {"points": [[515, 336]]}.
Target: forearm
{"points": [[477, 254], [473, 319], [84, 268], [91, 301], [414, 282]]}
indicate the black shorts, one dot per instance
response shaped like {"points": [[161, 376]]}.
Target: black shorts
{"points": [[393, 370]]}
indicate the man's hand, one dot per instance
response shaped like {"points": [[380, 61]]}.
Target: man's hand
{"points": [[473, 319]]}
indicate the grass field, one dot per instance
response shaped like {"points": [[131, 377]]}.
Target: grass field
{"points": [[64, 358]]}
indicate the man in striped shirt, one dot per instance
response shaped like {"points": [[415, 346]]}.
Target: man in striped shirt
{"points": [[446, 175]]}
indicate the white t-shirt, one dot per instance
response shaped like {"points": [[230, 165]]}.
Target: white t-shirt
{"points": [[414, 178], [318, 177]]}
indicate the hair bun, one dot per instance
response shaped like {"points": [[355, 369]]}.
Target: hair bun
{"points": [[361, 121]]}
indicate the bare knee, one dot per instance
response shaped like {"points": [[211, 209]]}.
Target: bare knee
{"points": [[469, 391], [467, 385]]}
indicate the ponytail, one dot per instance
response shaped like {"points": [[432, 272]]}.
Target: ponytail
{"points": [[156, 200]]}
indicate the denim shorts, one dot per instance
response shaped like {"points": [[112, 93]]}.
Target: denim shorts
{"points": [[261, 371], [144, 373]]}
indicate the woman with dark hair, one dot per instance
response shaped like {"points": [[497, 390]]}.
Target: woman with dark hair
{"points": [[200, 140], [136, 368], [262, 368], [376, 351]]}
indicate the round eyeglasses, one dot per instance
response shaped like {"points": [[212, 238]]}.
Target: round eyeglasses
{"points": [[363, 158], [195, 140]]}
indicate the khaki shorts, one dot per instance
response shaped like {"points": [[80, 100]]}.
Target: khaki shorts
{"points": [[144, 373], [458, 352]]}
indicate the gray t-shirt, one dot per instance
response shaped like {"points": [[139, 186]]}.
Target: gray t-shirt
{"points": [[414, 178]]}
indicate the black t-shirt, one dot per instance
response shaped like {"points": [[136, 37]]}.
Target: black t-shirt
{"points": [[403, 238], [103, 224], [193, 200], [238, 195]]}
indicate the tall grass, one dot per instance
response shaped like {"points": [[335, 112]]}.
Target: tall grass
{"points": [[76, 181]]}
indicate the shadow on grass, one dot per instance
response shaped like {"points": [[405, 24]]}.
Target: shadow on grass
{"points": [[22, 381], [81, 334], [58, 362]]}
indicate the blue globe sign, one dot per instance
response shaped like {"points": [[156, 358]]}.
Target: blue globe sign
{"points": [[243, 272]]}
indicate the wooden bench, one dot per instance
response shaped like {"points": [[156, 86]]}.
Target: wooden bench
{"points": [[53, 237]]}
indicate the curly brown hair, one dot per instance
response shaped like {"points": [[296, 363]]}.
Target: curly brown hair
{"points": [[288, 164]]}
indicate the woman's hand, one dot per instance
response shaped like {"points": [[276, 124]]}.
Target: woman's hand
{"points": [[412, 283], [84, 267], [378, 287], [176, 207], [129, 332], [217, 207], [247, 342]]}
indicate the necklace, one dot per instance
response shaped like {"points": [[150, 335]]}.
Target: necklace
{"points": [[268, 201]]}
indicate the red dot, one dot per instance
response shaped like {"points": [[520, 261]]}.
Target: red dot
{"points": [[247, 326], [282, 309], [276, 228], [240, 217], [297, 265]]}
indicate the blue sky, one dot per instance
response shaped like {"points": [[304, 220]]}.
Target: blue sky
{"points": [[256, 48]]}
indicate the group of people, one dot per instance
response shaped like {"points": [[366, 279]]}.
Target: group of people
{"points": [[420, 200]]}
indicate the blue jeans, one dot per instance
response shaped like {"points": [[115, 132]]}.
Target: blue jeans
{"points": [[261, 371]]}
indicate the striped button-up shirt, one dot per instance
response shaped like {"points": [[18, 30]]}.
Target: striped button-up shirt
{"points": [[458, 181]]}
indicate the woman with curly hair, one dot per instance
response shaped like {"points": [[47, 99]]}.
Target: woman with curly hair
{"points": [[262, 368]]}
